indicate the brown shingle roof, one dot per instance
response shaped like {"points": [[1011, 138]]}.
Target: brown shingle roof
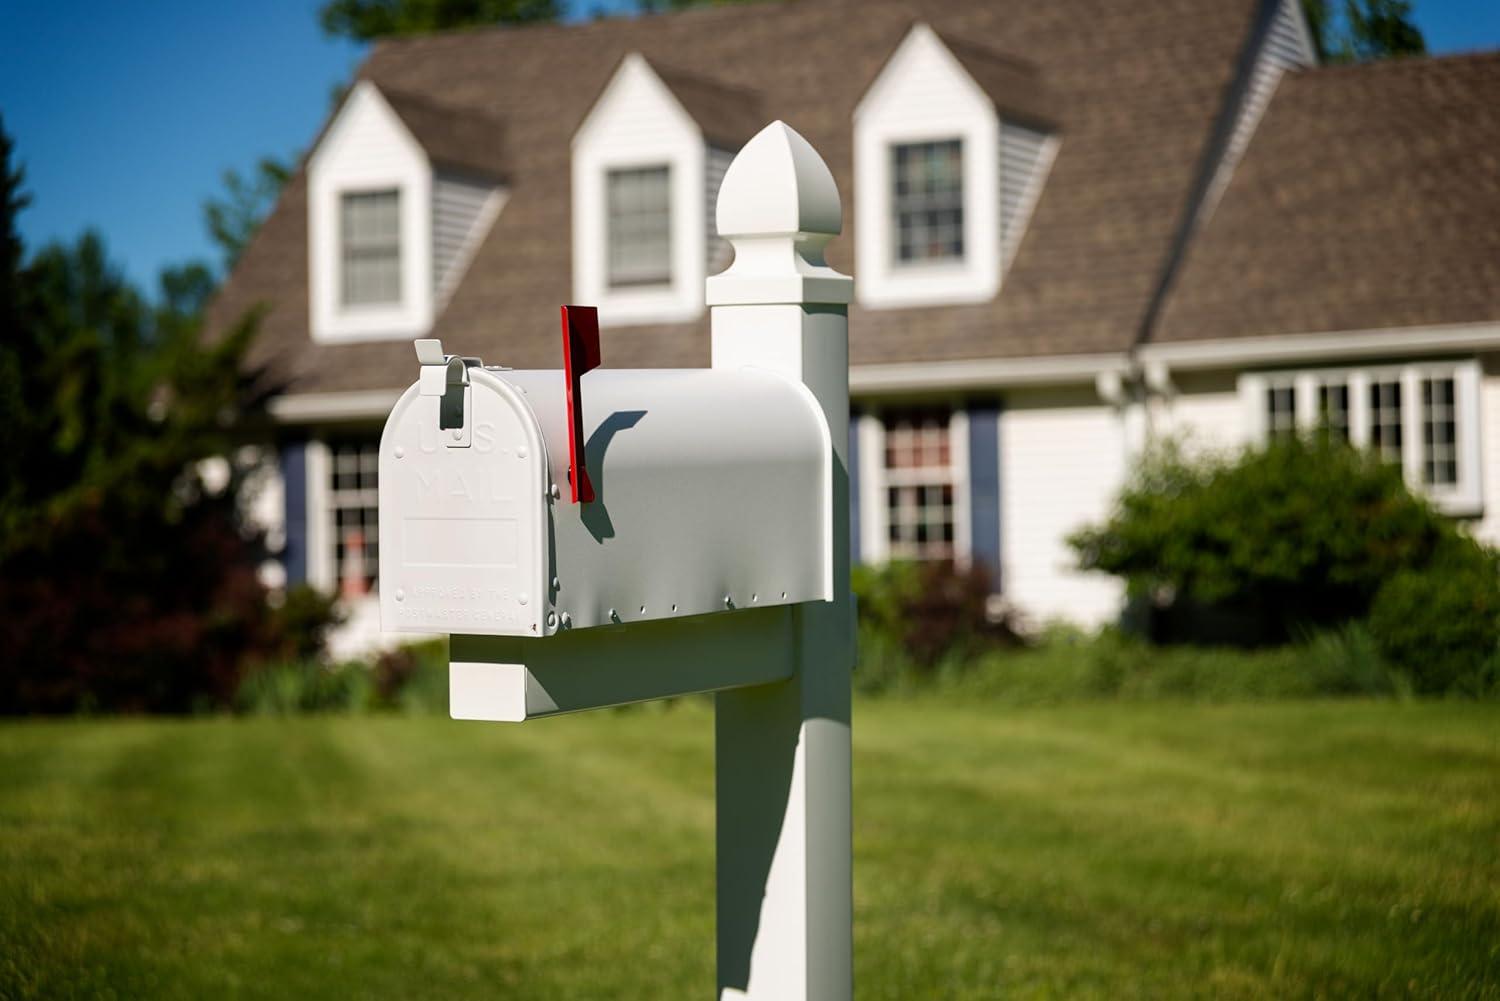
{"points": [[453, 137], [1015, 85], [1368, 198], [728, 116], [1136, 84]]}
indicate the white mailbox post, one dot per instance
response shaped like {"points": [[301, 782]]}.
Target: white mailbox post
{"points": [[707, 550]]}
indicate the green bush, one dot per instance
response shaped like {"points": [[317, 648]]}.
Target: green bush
{"points": [[306, 686], [1440, 624], [1262, 546], [920, 620], [1067, 666]]}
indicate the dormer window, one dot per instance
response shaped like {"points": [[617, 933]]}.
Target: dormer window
{"points": [[400, 194], [647, 162], [928, 201], [370, 247], [639, 226], [952, 144]]}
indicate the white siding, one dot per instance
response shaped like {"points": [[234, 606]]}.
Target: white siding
{"points": [[462, 211], [718, 250], [925, 95], [1062, 457], [1206, 411], [1025, 157], [367, 148], [1286, 47]]}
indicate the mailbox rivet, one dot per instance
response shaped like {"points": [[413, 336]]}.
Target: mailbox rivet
{"points": [[555, 492], [551, 620], [614, 616], [643, 609], [400, 451], [523, 597], [556, 586], [521, 452], [783, 595], [458, 434], [567, 620], [728, 601], [400, 594], [674, 606], [754, 598]]}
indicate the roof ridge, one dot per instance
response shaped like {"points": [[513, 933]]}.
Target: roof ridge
{"points": [[1394, 63]]}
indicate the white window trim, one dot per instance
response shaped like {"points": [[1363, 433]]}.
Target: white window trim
{"points": [[319, 515], [615, 136], [1462, 499], [336, 168], [891, 114], [874, 531]]}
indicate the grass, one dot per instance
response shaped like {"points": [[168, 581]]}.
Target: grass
{"points": [[1305, 849]]}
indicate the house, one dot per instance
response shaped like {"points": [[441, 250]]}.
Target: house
{"points": [[1073, 226]]}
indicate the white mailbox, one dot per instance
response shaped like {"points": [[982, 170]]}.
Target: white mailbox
{"points": [[711, 491], [572, 532]]}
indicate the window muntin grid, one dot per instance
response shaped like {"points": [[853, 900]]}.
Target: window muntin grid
{"points": [[1439, 431], [354, 504], [1333, 408], [639, 226], [928, 201], [1281, 409], [1385, 418], [1424, 417], [919, 485], [370, 247]]}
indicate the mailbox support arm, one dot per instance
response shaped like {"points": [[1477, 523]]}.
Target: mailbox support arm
{"points": [[511, 679]]}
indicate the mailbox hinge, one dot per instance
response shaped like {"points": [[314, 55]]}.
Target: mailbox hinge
{"points": [[447, 377]]}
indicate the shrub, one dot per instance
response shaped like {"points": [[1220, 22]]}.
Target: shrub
{"points": [[305, 686], [915, 619], [1297, 535], [1440, 623], [1069, 667]]}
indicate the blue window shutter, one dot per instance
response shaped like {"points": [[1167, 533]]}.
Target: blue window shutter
{"points": [[984, 488], [294, 490], [854, 488]]}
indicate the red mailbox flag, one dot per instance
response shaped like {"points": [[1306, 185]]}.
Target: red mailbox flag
{"points": [[580, 330]]}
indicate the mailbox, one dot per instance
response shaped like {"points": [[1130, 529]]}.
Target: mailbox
{"points": [[700, 490]]}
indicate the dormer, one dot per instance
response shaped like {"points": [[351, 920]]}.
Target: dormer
{"points": [[952, 145], [647, 162], [401, 191]]}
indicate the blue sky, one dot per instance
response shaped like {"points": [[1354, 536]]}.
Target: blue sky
{"points": [[125, 115]]}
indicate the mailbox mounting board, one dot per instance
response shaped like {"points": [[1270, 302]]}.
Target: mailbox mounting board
{"points": [[713, 491]]}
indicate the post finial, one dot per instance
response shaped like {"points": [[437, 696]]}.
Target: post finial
{"points": [[778, 207]]}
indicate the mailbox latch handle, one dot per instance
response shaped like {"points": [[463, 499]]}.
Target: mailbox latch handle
{"points": [[580, 330]]}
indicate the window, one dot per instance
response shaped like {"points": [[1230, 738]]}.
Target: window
{"points": [[370, 248], [919, 485], [928, 201], [354, 503], [1281, 410], [1386, 418], [1333, 408], [639, 226], [1422, 417], [1439, 432]]}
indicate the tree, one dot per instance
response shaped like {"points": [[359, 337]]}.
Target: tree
{"points": [[1366, 31], [233, 218], [127, 576], [366, 20]]}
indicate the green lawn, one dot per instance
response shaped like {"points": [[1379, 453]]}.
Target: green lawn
{"points": [[1111, 851]]}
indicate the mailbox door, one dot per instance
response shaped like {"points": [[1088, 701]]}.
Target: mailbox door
{"points": [[463, 516]]}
